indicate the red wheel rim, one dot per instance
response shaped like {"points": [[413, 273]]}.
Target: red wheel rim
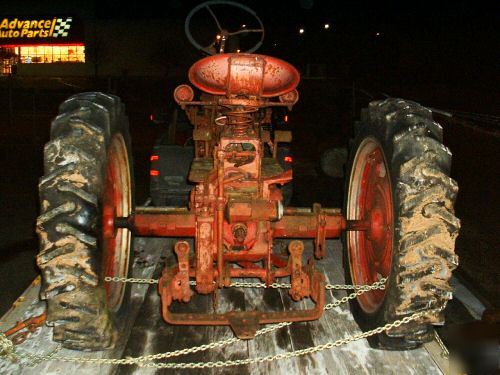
{"points": [[370, 201], [117, 202]]}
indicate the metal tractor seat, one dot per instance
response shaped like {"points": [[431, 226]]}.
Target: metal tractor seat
{"points": [[249, 76], [244, 75]]}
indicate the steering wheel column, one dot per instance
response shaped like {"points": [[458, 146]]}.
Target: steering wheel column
{"points": [[224, 34]]}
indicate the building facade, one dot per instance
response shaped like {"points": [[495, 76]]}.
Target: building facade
{"points": [[69, 38], [26, 41]]}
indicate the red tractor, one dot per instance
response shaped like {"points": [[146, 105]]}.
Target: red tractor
{"points": [[397, 225]]}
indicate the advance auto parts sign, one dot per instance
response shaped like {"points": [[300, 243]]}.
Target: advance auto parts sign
{"points": [[15, 30]]}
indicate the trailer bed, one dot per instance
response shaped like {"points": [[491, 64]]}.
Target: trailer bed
{"points": [[144, 331]]}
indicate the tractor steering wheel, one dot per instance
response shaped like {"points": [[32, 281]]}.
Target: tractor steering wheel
{"points": [[224, 33]]}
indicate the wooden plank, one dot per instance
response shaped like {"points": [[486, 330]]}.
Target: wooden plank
{"points": [[152, 335], [272, 343], [359, 354], [338, 322], [436, 354], [303, 335], [229, 299], [149, 334]]}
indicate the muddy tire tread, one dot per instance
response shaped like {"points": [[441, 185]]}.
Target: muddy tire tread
{"points": [[425, 223], [70, 191]]}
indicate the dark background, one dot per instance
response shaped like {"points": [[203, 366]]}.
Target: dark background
{"points": [[441, 54]]}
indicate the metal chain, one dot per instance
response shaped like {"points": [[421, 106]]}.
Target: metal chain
{"points": [[217, 344], [244, 284], [131, 280], [287, 355], [7, 349], [34, 359]]}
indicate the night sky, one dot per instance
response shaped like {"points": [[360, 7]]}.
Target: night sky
{"points": [[446, 41], [436, 41]]}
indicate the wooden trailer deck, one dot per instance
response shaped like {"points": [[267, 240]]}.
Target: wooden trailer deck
{"points": [[143, 332]]}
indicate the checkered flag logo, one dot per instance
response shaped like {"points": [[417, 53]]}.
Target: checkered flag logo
{"points": [[62, 27]]}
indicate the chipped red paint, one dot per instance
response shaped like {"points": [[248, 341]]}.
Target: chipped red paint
{"points": [[183, 93], [245, 323], [370, 245], [218, 74], [117, 203]]}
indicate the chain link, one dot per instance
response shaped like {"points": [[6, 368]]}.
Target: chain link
{"points": [[130, 280], [243, 284], [7, 348], [287, 355], [35, 359]]}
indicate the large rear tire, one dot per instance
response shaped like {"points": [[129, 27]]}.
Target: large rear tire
{"points": [[88, 181], [399, 185]]}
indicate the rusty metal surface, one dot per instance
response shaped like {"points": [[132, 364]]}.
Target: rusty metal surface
{"points": [[306, 282], [20, 332], [159, 224], [212, 74], [236, 209], [306, 225], [183, 93]]}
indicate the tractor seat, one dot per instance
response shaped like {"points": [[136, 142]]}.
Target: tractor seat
{"points": [[236, 74]]}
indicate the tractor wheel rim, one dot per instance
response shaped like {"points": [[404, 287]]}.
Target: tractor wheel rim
{"points": [[117, 202], [370, 200]]}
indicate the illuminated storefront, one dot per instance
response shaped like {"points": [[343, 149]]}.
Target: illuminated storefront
{"points": [[76, 40], [44, 40]]}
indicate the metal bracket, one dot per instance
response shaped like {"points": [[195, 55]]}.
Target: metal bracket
{"points": [[244, 323], [178, 283], [301, 285], [320, 239]]}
